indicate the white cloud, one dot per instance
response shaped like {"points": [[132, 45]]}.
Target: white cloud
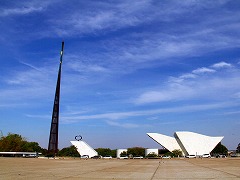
{"points": [[20, 11], [31, 77], [123, 125], [100, 17], [203, 70], [170, 94], [200, 71], [27, 84], [70, 118], [104, 16], [31, 66], [221, 65], [188, 76], [24, 7], [195, 86], [79, 66], [182, 78]]}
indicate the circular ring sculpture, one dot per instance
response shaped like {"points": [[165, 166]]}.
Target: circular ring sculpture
{"points": [[78, 138]]}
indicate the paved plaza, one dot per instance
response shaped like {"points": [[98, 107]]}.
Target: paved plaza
{"points": [[41, 168]]}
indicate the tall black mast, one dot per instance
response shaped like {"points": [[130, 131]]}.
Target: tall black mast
{"points": [[53, 137]]}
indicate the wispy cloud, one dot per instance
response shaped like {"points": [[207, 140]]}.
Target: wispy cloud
{"points": [[128, 114], [187, 76], [121, 14], [76, 64], [29, 65], [96, 17], [24, 8], [221, 65], [203, 70], [26, 84], [29, 77], [178, 92], [105, 16], [20, 11], [123, 125], [195, 85]]}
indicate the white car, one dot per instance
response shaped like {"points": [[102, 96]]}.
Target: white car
{"points": [[123, 157], [206, 156], [166, 157], [84, 157], [138, 157], [191, 156], [107, 157]]}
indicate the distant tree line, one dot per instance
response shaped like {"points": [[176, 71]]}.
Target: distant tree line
{"points": [[106, 152], [134, 151], [17, 143], [70, 151]]}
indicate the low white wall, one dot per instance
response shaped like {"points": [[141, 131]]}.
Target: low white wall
{"points": [[119, 151]]}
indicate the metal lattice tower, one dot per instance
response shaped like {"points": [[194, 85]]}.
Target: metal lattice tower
{"points": [[53, 137]]}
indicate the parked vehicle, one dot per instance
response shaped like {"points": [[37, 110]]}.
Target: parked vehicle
{"points": [[221, 156], [84, 157], [107, 157], [166, 157], [235, 155], [206, 156], [138, 157], [96, 157], [191, 156], [123, 157]]}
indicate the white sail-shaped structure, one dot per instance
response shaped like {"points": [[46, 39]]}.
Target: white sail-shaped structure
{"points": [[189, 143], [84, 149], [167, 142]]}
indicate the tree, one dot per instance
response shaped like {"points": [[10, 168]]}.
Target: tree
{"points": [[238, 148], [136, 151], [12, 143], [177, 152], [69, 151], [163, 151], [220, 149], [103, 151], [16, 143], [32, 147], [114, 153], [169, 154], [124, 153], [151, 155], [106, 151]]}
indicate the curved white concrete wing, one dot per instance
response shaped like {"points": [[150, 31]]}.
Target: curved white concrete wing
{"points": [[197, 144], [84, 149], [167, 142], [188, 142]]}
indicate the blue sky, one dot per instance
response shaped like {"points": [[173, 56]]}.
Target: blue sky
{"points": [[129, 68]]}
